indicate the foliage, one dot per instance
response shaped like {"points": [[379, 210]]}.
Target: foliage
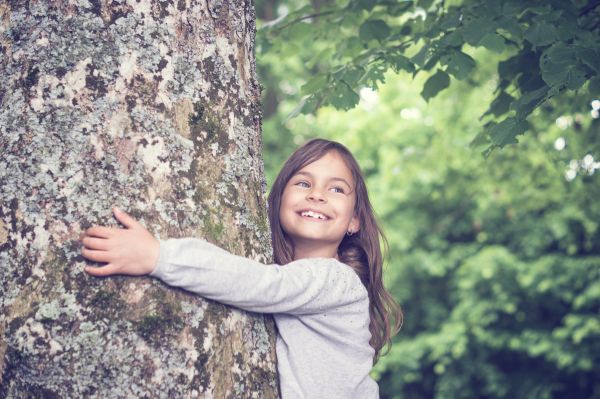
{"points": [[546, 48]]}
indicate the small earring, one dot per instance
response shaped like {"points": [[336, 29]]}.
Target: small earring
{"points": [[349, 233]]}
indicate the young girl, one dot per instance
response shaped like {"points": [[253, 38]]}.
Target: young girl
{"points": [[325, 291]]}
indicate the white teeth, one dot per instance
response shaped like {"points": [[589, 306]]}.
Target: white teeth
{"points": [[314, 215]]}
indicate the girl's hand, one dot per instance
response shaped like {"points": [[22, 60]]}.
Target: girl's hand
{"points": [[132, 250]]}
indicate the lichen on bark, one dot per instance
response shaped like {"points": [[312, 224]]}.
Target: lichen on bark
{"points": [[153, 106]]}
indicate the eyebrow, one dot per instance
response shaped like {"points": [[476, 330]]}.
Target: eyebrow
{"points": [[331, 178]]}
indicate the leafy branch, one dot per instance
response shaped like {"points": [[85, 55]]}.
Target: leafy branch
{"points": [[548, 49]]}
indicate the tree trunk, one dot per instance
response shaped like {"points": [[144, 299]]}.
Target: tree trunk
{"points": [[153, 106]]}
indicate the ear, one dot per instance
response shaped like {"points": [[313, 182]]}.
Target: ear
{"points": [[354, 224]]}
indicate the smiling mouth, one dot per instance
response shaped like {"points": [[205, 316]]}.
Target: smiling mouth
{"points": [[313, 215]]}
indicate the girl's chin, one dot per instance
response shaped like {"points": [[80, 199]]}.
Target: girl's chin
{"points": [[314, 240]]}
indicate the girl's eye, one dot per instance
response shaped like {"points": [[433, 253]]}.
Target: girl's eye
{"points": [[338, 190], [302, 183]]}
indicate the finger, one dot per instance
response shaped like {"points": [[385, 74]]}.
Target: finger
{"points": [[101, 271], [125, 219], [96, 256], [100, 231], [95, 243]]}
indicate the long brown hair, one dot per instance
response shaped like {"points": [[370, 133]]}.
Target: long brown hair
{"points": [[361, 251]]}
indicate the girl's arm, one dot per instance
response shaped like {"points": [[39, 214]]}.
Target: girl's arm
{"points": [[304, 286]]}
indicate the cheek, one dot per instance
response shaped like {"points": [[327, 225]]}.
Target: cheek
{"points": [[284, 202], [282, 214], [289, 198], [286, 221], [350, 209], [284, 207]]}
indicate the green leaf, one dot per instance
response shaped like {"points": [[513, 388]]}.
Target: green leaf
{"points": [[365, 4], [352, 74], [560, 67], [436, 83], [460, 65], [374, 29], [479, 140], [343, 97], [450, 20], [541, 34], [548, 13], [400, 62], [511, 27], [509, 68], [474, 30], [374, 75], [349, 20], [590, 57], [431, 62], [500, 105], [296, 111], [506, 132], [528, 101], [512, 7], [567, 28], [493, 42], [594, 86], [313, 85], [423, 55], [529, 82], [425, 4], [452, 39], [398, 8], [311, 104], [493, 8], [307, 105]]}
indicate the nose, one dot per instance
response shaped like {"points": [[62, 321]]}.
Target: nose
{"points": [[316, 194]]}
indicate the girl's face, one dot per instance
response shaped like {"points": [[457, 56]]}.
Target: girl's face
{"points": [[317, 206]]}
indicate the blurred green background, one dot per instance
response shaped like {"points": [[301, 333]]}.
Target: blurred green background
{"points": [[495, 260]]}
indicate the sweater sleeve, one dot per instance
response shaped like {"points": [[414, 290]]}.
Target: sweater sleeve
{"points": [[303, 286]]}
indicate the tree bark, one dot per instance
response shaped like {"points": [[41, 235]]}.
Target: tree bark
{"points": [[153, 106]]}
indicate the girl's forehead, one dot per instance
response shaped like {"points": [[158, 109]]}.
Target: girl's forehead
{"points": [[329, 166]]}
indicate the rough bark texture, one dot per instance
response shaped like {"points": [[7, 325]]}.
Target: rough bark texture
{"points": [[151, 105]]}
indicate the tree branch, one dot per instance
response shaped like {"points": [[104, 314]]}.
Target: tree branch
{"points": [[318, 14]]}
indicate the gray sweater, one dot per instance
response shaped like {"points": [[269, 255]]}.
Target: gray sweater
{"points": [[319, 305]]}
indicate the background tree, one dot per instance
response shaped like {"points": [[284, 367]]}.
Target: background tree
{"points": [[152, 106], [495, 261], [548, 49]]}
